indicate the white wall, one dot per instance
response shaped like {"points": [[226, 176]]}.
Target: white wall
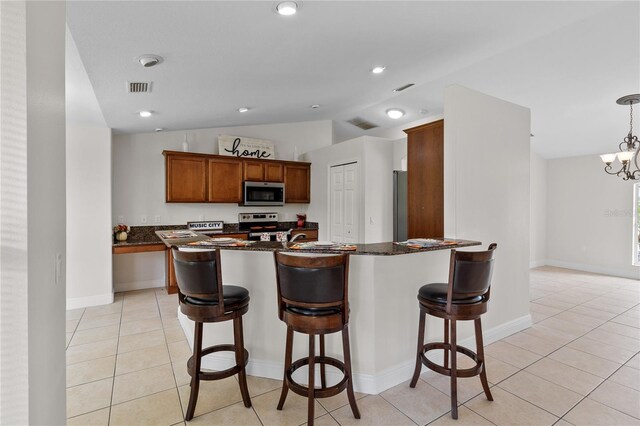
{"points": [[589, 217], [138, 186], [88, 167], [138, 170], [89, 280], [538, 211], [14, 264], [375, 168], [400, 154], [487, 191], [33, 160]]}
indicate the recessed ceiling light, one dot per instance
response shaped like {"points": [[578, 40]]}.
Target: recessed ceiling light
{"points": [[145, 114], [378, 70], [243, 109], [314, 106], [395, 113], [287, 8], [149, 60], [159, 129]]}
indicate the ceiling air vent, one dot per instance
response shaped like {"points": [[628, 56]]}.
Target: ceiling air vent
{"points": [[138, 87], [401, 88], [362, 123]]}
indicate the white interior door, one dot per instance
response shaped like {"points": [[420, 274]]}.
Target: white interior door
{"points": [[344, 203]]}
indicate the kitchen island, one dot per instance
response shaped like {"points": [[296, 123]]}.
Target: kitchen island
{"points": [[384, 279]]}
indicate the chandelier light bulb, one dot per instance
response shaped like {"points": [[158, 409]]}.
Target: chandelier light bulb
{"points": [[629, 147], [608, 158], [625, 156]]}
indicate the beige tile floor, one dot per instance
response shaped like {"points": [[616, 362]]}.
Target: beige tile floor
{"points": [[578, 364]]}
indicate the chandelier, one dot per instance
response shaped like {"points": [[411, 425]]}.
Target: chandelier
{"points": [[628, 147]]}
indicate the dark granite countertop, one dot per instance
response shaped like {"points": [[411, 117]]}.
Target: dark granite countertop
{"points": [[375, 249], [146, 235]]}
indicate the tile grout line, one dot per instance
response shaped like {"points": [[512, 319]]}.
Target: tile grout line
{"points": [[175, 381], [583, 335], [115, 364]]}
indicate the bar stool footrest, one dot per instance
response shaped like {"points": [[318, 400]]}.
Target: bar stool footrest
{"points": [[464, 372], [216, 375], [318, 392]]}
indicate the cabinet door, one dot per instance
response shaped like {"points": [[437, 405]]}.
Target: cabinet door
{"points": [[273, 172], [186, 179], [253, 171], [425, 180], [297, 183], [225, 180]]}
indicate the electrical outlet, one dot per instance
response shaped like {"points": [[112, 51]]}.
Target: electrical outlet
{"points": [[143, 219], [120, 219], [158, 218], [58, 267]]}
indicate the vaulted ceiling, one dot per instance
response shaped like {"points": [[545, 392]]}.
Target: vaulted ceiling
{"points": [[567, 61]]}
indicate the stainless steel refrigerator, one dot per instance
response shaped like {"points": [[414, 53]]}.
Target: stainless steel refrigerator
{"points": [[399, 205]]}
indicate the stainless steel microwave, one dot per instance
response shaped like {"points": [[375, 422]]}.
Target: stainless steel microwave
{"points": [[263, 194]]}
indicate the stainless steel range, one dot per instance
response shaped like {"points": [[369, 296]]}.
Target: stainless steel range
{"points": [[263, 225]]}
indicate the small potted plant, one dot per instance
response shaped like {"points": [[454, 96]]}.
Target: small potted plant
{"points": [[301, 219], [120, 232]]}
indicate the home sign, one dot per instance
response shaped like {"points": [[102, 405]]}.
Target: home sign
{"points": [[238, 146]]}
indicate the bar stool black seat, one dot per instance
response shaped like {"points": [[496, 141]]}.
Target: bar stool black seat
{"points": [[464, 297], [313, 299], [202, 299]]}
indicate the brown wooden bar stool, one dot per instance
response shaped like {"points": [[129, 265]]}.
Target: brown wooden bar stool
{"points": [[203, 298], [465, 297], [313, 299]]}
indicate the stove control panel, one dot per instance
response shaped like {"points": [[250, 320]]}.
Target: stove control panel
{"points": [[257, 217]]}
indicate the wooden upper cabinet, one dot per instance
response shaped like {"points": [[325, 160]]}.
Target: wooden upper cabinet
{"points": [[186, 179], [425, 180], [225, 180], [273, 172], [208, 178], [297, 179], [263, 171]]}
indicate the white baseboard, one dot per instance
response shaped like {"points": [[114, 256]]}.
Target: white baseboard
{"points": [[365, 383], [137, 285], [597, 269], [85, 302], [537, 263]]}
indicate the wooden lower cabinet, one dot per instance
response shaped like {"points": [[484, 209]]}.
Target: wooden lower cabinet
{"points": [[171, 283], [312, 234]]}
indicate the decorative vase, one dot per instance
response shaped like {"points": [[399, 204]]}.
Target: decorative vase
{"points": [[121, 236]]}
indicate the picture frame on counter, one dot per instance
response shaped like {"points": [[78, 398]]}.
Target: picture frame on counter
{"points": [[239, 146]]}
